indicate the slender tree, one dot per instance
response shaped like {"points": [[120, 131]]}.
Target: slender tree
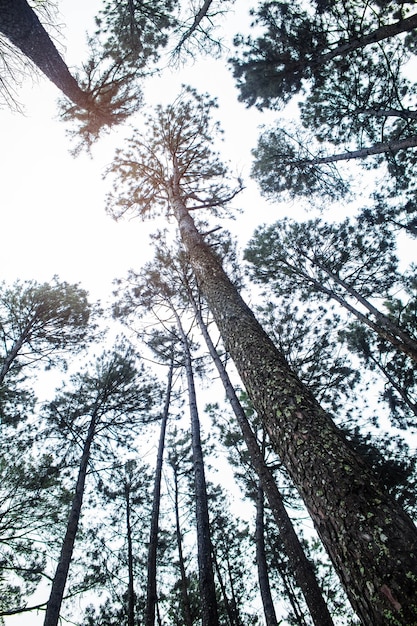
{"points": [[40, 322], [108, 398], [173, 460], [309, 256], [151, 589], [205, 563], [264, 586], [368, 536]]}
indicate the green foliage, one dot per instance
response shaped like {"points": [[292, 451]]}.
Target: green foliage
{"points": [[133, 32], [32, 513], [306, 257], [284, 162], [305, 46], [113, 94], [177, 152], [42, 322]]}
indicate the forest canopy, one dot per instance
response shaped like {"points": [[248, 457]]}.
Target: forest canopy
{"points": [[229, 436]]}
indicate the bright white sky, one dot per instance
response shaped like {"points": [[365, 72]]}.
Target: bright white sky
{"points": [[52, 218]]}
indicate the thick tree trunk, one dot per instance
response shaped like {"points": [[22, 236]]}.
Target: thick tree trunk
{"points": [[151, 594], [20, 24], [205, 563], [370, 539], [300, 565], [263, 577], [58, 584]]}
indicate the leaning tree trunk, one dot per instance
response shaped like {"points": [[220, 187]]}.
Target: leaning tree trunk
{"points": [[370, 539], [14, 352], [205, 562], [20, 24], [151, 596], [58, 584], [300, 565], [263, 577], [383, 326]]}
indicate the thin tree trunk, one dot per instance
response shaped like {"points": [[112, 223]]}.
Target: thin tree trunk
{"points": [[263, 577], [407, 344], [20, 24], [300, 565], [228, 608], [384, 327], [11, 356], [151, 593], [205, 564], [401, 392], [130, 590], [58, 584], [188, 619], [370, 539], [362, 153], [379, 34]]}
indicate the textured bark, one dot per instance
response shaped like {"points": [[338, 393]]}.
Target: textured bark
{"points": [[209, 613], [151, 592], [370, 539], [263, 577], [20, 24], [58, 584], [300, 565]]}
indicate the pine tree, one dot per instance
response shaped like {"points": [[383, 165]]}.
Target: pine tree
{"points": [[177, 168]]}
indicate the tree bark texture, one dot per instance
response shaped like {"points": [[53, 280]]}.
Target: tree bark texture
{"points": [[371, 541], [151, 591], [302, 568], [20, 24]]}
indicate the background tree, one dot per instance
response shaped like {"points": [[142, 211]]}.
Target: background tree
{"points": [[300, 44], [310, 256], [105, 101], [115, 397], [40, 322]]}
